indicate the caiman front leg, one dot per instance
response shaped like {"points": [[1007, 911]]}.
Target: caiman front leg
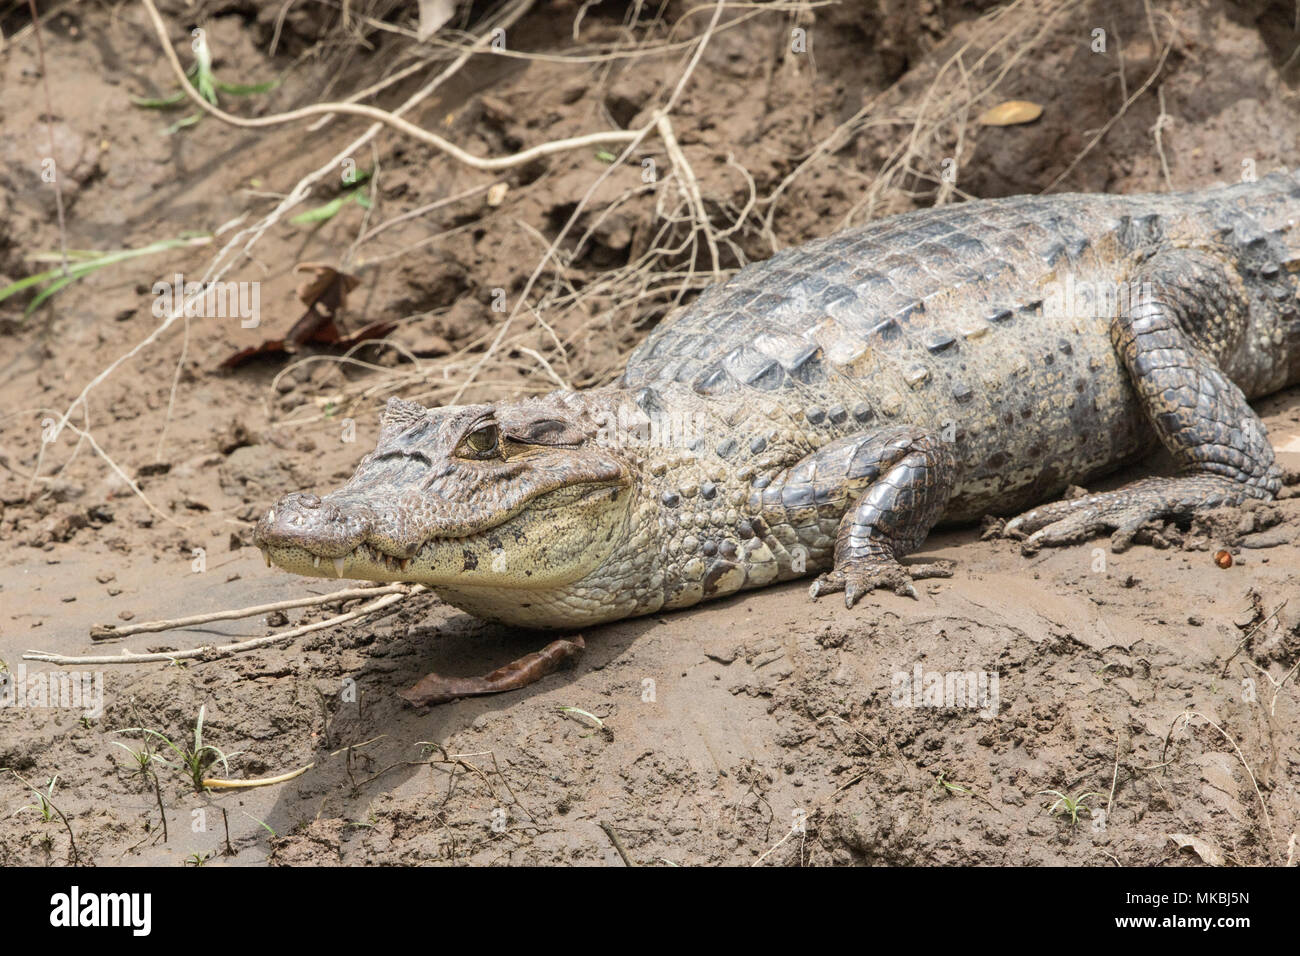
{"points": [[1166, 340], [891, 485]]}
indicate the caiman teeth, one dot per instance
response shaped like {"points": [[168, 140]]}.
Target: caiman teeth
{"points": [[315, 561], [266, 553], [338, 567]]}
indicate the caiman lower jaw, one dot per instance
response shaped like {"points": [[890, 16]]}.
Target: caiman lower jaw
{"points": [[363, 556], [555, 539], [365, 562]]}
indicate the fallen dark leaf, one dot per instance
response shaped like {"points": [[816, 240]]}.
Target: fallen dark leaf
{"points": [[324, 293]]}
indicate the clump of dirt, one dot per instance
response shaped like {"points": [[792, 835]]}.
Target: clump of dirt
{"points": [[1156, 681]]}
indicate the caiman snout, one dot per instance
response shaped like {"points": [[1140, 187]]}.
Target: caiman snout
{"points": [[324, 527]]}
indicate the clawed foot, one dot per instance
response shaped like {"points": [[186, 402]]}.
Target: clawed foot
{"points": [[857, 578], [1070, 522]]}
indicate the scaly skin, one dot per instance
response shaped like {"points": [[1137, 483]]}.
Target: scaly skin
{"points": [[821, 411]]}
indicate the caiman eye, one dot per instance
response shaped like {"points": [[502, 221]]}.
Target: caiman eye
{"points": [[484, 442]]}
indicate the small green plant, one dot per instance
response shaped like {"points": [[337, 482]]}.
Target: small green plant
{"points": [[1070, 805], [44, 801], [142, 759], [198, 859], [193, 761], [950, 787], [201, 77], [371, 819], [83, 262], [353, 193], [261, 823], [48, 811]]}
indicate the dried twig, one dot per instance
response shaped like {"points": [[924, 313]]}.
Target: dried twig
{"points": [[210, 652], [214, 783], [1114, 779], [690, 186], [618, 844], [636, 138], [1249, 634], [109, 632], [381, 116], [1163, 122], [1186, 717], [1101, 133], [228, 254], [217, 783]]}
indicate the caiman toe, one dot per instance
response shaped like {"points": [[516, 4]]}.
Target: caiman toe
{"points": [[858, 578]]}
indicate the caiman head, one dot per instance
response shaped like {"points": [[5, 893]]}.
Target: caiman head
{"points": [[493, 500]]}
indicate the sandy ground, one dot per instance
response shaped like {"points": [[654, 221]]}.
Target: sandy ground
{"points": [[763, 728]]}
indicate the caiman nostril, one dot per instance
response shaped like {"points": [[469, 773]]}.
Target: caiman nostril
{"points": [[309, 501]]}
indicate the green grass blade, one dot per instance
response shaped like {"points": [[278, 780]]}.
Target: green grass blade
{"points": [[21, 284], [48, 291], [158, 104], [321, 213], [180, 124], [79, 255], [206, 88], [82, 262], [247, 89]]}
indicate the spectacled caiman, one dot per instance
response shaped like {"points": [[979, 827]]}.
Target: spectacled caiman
{"points": [[823, 409]]}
